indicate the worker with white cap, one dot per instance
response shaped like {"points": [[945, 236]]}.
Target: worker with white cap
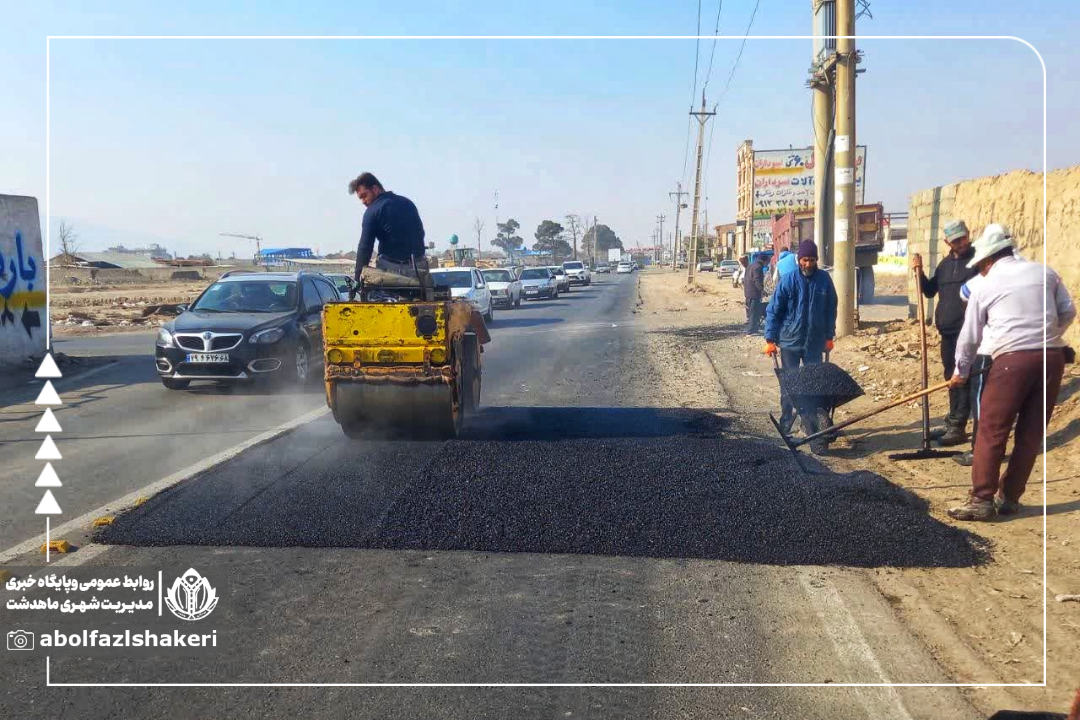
{"points": [[1017, 315]]}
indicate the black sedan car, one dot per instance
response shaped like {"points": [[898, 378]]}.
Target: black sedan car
{"points": [[247, 326]]}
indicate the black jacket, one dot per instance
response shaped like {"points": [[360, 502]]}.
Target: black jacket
{"points": [[754, 282], [952, 272], [395, 222]]}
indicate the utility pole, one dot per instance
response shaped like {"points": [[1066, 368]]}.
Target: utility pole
{"points": [[844, 227], [508, 253], [660, 237], [691, 260], [679, 205], [821, 86]]}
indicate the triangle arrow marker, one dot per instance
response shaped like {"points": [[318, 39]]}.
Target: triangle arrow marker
{"points": [[48, 395], [48, 505], [48, 450], [48, 423], [48, 478], [48, 368]]}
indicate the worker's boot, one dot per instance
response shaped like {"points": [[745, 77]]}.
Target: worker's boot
{"points": [[1005, 506], [965, 458], [975, 510], [954, 435]]}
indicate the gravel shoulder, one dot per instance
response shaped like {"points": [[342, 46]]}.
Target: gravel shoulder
{"points": [[982, 623]]}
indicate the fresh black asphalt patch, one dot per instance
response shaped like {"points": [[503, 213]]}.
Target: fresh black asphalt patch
{"points": [[604, 481]]}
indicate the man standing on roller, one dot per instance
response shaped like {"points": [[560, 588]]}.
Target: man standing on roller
{"points": [[394, 221]]}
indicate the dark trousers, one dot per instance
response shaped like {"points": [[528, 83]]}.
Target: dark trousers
{"points": [[790, 359], [754, 308], [1015, 392], [976, 386], [959, 398]]}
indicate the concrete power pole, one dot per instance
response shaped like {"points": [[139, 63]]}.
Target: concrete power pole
{"points": [[660, 238], [821, 86], [691, 260], [844, 227], [679, 205]]}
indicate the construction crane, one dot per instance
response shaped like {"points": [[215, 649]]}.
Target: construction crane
{"points": [[258, 245]]}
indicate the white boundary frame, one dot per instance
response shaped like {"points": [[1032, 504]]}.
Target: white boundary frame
{"points": [[49, 682]]}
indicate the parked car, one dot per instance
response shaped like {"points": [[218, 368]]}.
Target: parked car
{"points": [[577, 272], [603, 268], [705, 265], [624, 267], [342, 282], [247, 326], [539, 283], [504, 286], [469, 284], [727, 268], [561, 278]]}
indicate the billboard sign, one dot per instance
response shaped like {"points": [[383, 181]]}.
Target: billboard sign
{"points": [[784, 182]]}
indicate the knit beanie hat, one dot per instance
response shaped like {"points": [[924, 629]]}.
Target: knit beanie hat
{"points": [[807, 249]]}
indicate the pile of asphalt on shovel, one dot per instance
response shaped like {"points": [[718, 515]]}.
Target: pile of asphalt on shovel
{"points": [[646, 482]]}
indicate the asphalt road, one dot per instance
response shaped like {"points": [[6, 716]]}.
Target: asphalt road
{"points": [[577, 535]]}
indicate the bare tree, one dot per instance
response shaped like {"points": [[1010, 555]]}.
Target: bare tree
{"points": [[478, 226], [573, 222], [69, 241]]}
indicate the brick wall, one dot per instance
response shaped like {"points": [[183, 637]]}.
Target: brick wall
{"points": [[1014, 199]]}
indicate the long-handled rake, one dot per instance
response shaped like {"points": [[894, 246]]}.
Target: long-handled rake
{"points": [[925, 452], [793, 445]]}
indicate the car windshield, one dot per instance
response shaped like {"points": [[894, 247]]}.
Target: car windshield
{"points": [[573, 266], [497, 276], [534, 274], [248, 296], [558, 271], [454, 279]]}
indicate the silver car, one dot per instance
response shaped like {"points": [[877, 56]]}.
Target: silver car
{"points": [[561, 278], [506, 290], [539, 283]]}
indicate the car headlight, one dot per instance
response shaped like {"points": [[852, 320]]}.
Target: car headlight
{"points": [[265, 337], [164, 338]]}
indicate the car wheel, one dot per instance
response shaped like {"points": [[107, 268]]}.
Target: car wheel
{"points": [[301, 371], [171, 384]]}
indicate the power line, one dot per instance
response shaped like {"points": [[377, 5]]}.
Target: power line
{"points": [[742, 47], [693, 91], [712, 53], [697, 53]]}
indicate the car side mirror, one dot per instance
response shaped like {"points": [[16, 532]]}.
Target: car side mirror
{"points": [[182, 308]]}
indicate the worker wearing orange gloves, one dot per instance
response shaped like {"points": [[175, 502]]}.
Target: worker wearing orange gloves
{"points": [[800, 325]]}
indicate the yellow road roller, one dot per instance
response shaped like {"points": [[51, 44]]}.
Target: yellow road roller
{"points": [[402, 359]]}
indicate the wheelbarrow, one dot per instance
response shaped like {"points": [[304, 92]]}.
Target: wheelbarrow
{"points": [[815, 391]]}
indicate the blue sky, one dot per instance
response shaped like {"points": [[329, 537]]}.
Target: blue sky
{"points": [[176, 141]]}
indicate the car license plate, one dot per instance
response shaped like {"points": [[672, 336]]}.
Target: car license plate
{"points": [[207, 357], [530, 291]]}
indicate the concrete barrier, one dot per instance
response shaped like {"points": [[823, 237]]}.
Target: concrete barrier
{"points": [[23, 318]]}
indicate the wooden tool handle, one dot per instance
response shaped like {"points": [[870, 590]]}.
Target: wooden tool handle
{"points": [[871, 413]]}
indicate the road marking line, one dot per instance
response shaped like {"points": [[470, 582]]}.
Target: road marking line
{"points": [[82, 523], [79, 376], [851, 647]]}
